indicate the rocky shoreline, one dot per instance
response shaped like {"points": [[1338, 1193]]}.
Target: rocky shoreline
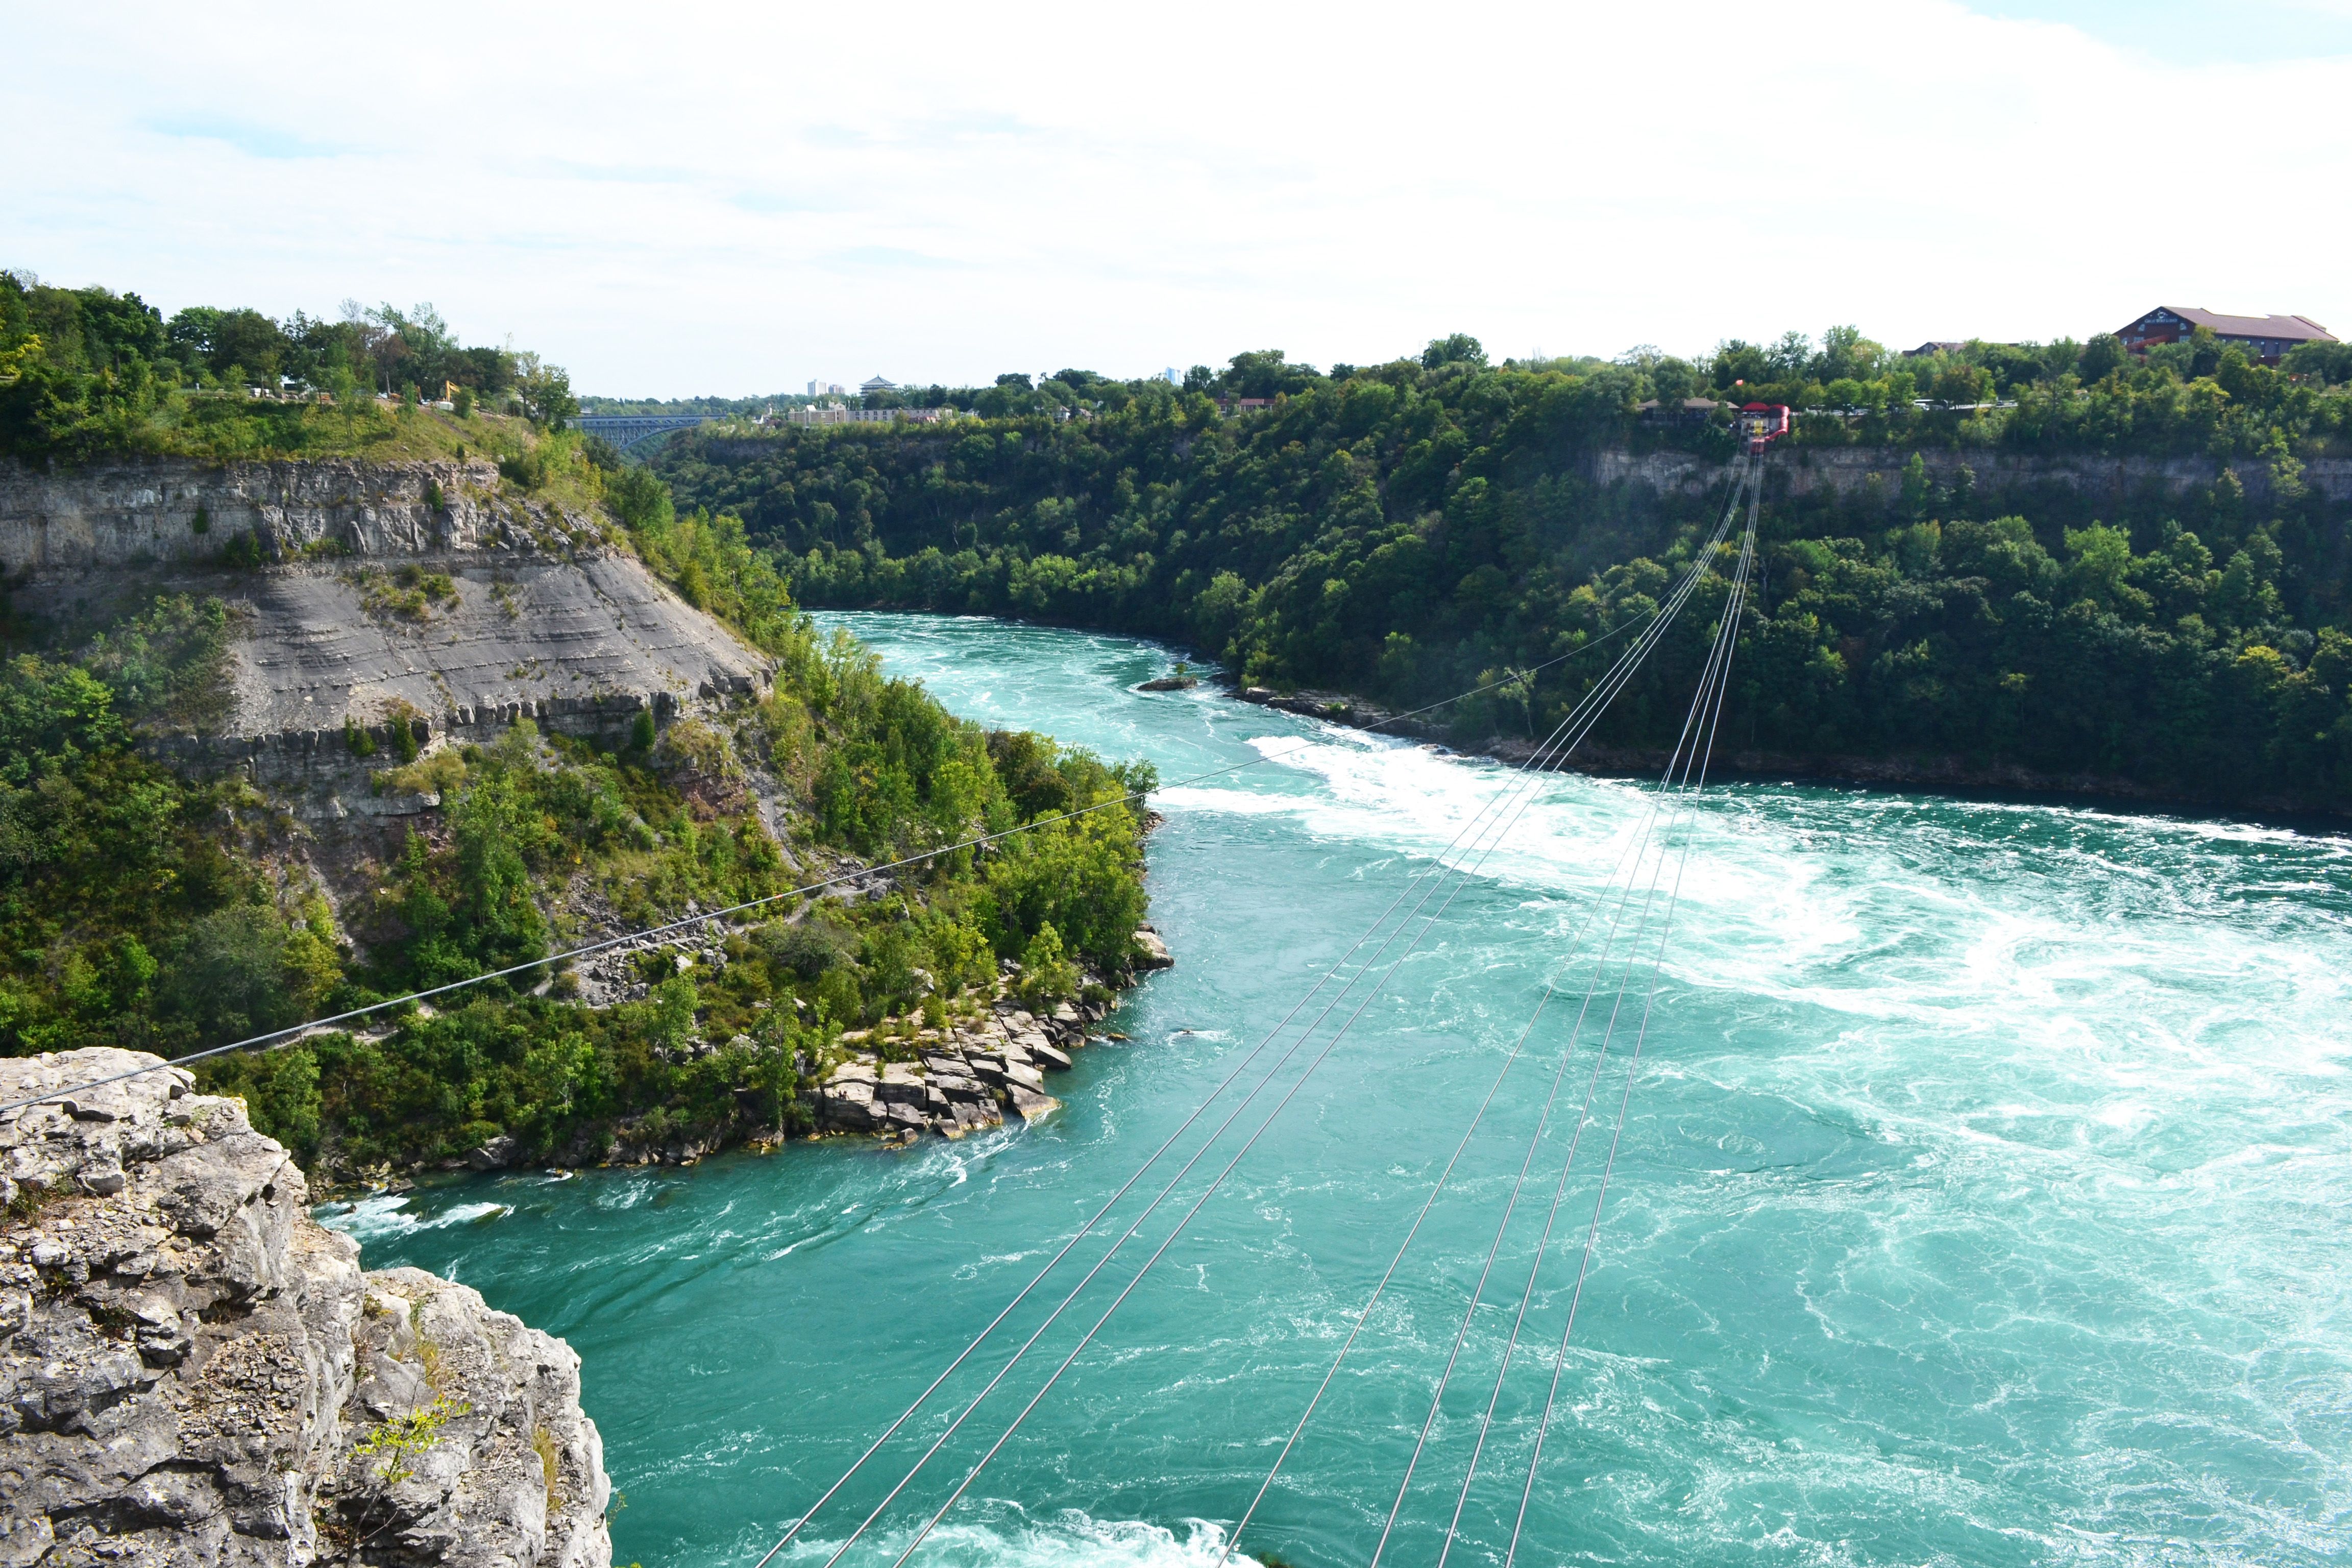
{"points": [[964, 1077], [193, 1371], [899, 1080]]}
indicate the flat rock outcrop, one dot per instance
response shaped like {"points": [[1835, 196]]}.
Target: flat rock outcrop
{"points": [[965, 1079], [192, 1372]]}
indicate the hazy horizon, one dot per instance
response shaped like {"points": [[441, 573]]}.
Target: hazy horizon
{"points": [[762, 198]]}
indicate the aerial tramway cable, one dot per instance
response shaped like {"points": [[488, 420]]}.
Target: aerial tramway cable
{"points": [[1534, 1140], [1589, 711], [1705, 559], [1699, 726], [1719, 660], [1724, 626], [1582, 718], [1600, 1197], [1149, 1161]]}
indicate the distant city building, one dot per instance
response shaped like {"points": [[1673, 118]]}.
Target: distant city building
{"points": [[2268, 338], [1172, 376], [1932, 347], [827, 389], [836, 413], [878, 383]]}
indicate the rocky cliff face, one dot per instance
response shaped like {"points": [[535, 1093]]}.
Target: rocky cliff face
{"points": [[1807, 470], [371, 593], [166, 511], [192, 1372]]}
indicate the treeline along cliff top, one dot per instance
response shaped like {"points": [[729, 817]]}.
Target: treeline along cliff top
{"points": [[2062, 565], [161, 889]]}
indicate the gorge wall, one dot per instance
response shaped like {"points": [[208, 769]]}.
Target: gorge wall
{"points": [[363, 593], [1807, 470], [163, 511], [192, 1372]]}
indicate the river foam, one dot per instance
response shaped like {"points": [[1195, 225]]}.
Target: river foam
{"points": [[1979, 1202]]}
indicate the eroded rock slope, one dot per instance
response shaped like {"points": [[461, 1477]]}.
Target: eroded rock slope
{"points": [[425, 593], [192, 1372]]}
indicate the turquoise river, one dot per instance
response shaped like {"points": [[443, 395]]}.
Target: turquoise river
{"points": [[1985, 1197]]}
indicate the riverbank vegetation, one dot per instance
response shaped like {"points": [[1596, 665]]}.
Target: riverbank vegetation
{"points": [[1409, 529], [142, 909]]}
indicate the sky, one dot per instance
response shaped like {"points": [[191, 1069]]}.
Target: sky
{"points": [[734, 199]]}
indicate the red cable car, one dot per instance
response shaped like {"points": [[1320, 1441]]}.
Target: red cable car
{"points": [[1760, 424]]}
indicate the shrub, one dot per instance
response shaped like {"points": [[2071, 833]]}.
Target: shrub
{"points": [[1046, 975]]}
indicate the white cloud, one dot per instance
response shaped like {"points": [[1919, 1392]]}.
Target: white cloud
{"points": [[738, 198]]}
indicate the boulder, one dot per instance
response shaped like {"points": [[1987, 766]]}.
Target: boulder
{"points": [[900, 1085], [967, 1118], [1151, 953], [1033, 1105], [495, 1155], [1046, 1056], [848, 1106]]}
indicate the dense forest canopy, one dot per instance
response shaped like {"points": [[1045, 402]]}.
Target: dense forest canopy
{"points": [[1407, 530], [86, 372]]}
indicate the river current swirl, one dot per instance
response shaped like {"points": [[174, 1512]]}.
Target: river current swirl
{"points": [[1982, 1199]]}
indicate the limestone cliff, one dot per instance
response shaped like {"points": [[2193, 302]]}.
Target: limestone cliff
{"points": [[2108, 480], [425, 593], [138, 512], [192, 1372]]}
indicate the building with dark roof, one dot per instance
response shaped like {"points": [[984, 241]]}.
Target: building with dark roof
{"points": [[2266, 338]]}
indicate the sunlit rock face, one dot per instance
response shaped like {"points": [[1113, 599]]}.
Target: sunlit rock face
{"points": [[193, 1372]]}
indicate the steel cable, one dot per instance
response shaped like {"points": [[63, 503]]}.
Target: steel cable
{"points": [[1727, 627], [1705, 558], [1584, 715], [1632, 1068], [1651, 628], [1726, 642]]}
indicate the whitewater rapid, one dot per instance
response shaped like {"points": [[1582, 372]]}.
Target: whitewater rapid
{"points": [[1980, 1200]]}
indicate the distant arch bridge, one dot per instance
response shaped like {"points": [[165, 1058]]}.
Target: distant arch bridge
{"points": [[625, 430]]}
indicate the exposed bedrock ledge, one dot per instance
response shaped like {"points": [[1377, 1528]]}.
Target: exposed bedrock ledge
{"points": [[190, 1366], [175, 511], [1806, 470]]}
